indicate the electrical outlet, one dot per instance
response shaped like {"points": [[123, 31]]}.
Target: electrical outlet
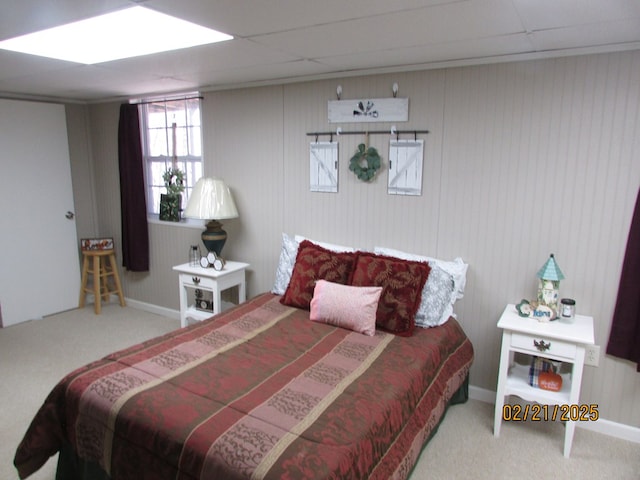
{"points": [[592, 355]]}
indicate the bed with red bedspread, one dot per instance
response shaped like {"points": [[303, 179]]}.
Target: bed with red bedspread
{"points": [[259, 391]]}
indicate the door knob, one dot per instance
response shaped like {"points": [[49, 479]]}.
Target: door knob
{"points": [[69, 215]]}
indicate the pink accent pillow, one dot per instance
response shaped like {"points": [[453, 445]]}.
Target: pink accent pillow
{"points": [[346, 306]]}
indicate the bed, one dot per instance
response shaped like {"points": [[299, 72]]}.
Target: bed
{"points": [[263, 390]]}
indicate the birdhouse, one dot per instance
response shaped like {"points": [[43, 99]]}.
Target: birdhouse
{"points": [[549, 284]]}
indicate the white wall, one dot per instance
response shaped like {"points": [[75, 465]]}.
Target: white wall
{"points": [[523, 160]]}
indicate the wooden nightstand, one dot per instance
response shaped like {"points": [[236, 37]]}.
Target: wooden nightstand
{"points": [[210, 283], [556, 340]]}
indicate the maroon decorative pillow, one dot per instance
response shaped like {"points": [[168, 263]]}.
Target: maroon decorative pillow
{"points": [[314, 263], [402, 282]]}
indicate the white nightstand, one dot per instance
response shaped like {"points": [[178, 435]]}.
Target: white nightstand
{"points": [[211, 281], [556, 340]]}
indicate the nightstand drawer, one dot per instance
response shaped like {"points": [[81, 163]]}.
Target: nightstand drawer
{"points": [[543, 346], [197, 281]]}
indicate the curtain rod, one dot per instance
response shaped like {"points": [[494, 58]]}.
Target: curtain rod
{"points": [[369, 132], [170, 99]]}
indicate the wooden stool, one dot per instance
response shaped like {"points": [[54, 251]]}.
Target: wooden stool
{"points": [[101, 273]]}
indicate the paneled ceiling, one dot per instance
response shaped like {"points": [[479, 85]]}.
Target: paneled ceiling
{"points": [[289, 40]]}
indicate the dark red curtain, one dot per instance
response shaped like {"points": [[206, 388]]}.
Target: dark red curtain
{"points": [[135, 234], [624, 339]]}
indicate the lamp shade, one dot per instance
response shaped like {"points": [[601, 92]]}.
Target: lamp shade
{"points": [[211, 199]]}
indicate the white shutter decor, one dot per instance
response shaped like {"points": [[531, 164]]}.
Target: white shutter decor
{"points": [[405, 167], [323, 167]]}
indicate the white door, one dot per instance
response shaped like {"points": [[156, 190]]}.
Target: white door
{"points": [[39, 266]]}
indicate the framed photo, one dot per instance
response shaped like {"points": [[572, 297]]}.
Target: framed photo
{"points": [[96, 244], [203, 300]]}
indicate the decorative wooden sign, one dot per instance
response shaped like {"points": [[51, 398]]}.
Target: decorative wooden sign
{"points": [[96, 243], [369, 110]]}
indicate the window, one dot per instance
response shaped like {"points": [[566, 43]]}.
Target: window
{"points": [[171, 138]]}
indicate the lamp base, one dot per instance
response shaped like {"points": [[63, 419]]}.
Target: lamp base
{"points": [[214, 237]]}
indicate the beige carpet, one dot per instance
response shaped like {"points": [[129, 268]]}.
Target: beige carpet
{"points": [[35, 355]]}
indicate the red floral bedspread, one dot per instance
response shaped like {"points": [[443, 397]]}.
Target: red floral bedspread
{"points": [[258, 392]]}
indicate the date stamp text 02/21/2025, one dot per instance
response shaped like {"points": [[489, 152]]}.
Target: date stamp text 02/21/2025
{"points": [[543, 413]]}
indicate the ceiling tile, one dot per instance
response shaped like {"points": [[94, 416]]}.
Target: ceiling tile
{"points": [[439, 24], [256, 74], [207, 58], [545, 14], [247, 18], [582, 36], [93, 82], [442, 52]]}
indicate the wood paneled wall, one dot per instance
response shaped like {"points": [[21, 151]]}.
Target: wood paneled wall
{"points": [[522, 160]]}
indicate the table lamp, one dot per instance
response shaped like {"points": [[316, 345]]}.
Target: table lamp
{"points": [[211, 200]]}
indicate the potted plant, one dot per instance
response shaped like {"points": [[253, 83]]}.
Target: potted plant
{"points": [[171, 202]]}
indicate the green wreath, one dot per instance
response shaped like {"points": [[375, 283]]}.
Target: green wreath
{"points": [[365, 163], [173, 181]]}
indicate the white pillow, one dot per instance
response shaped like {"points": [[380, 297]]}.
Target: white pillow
{"points": [[288, 253], [456, 267], [287, 260], [443, 287], [436, 305], [328, 246]]}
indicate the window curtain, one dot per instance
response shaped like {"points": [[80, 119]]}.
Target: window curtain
{"points": [[624, 339], [135, 234]]}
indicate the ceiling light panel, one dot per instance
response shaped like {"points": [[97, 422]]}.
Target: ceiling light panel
{"points": [[131, 32]]}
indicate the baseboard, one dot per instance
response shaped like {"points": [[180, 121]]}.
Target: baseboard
{"points": [[148, 307], [602, 425], [167, 312], [482, 394], [613, 429]]}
